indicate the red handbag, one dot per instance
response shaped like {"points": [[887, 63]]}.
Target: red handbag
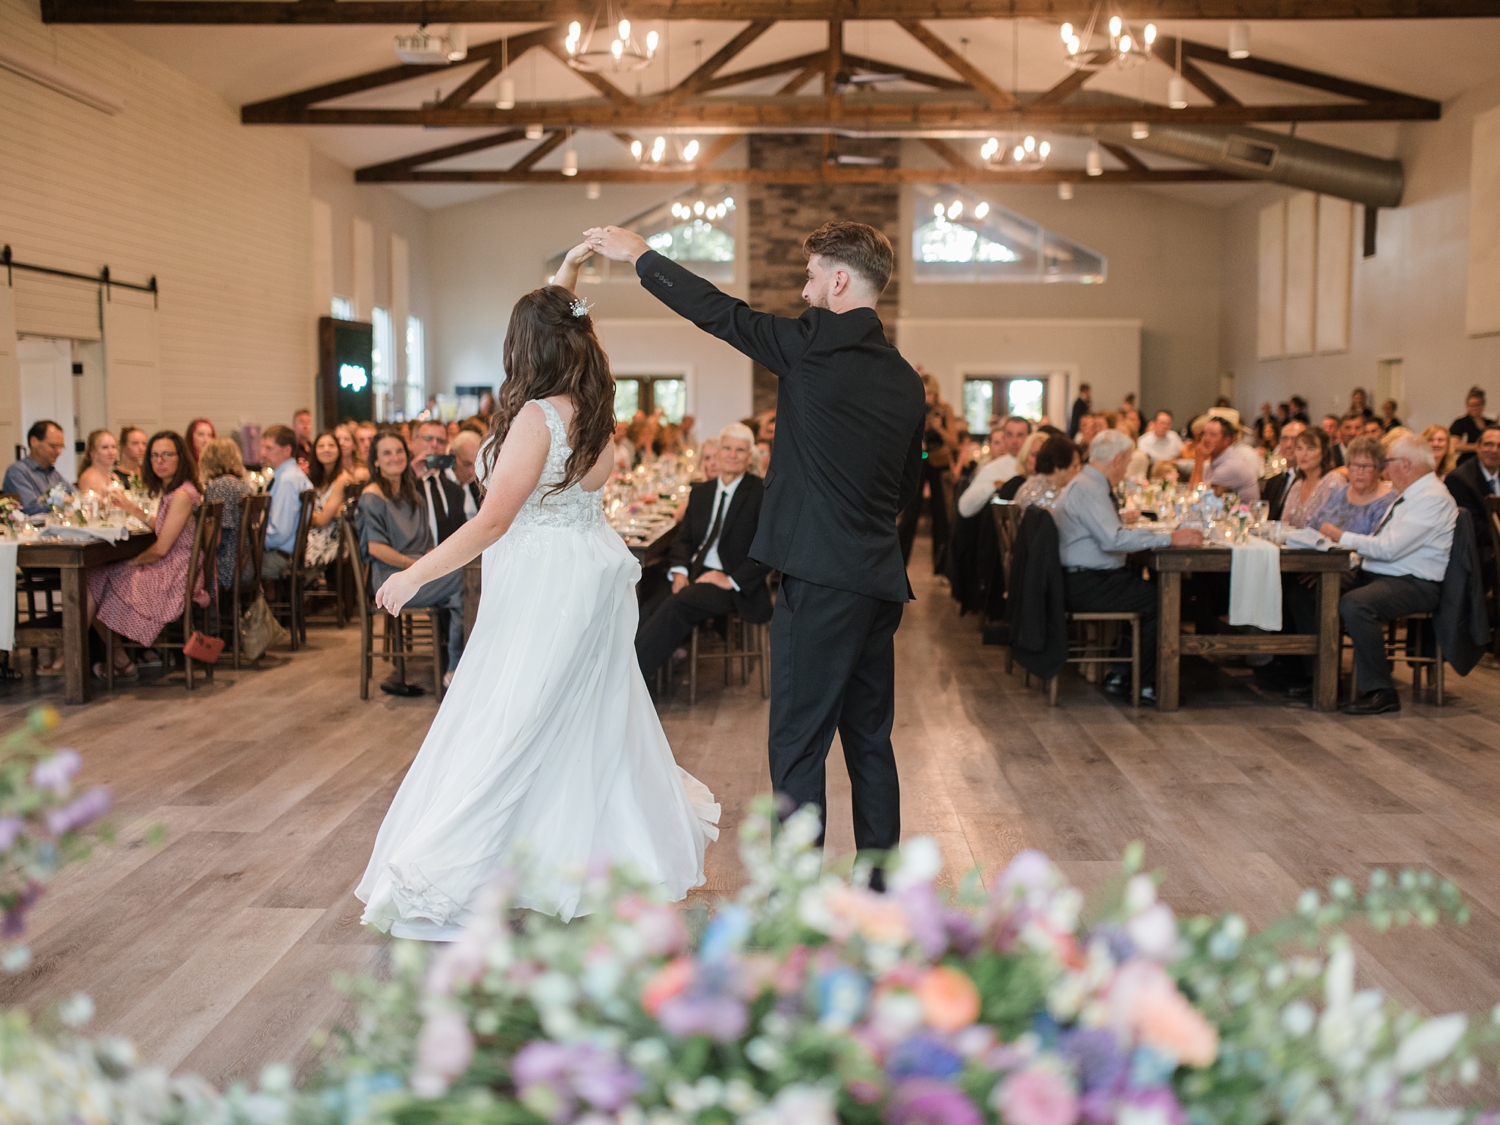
{"points": [[204, 648]]}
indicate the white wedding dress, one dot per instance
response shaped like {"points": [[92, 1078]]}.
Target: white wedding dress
{"points": [[547, 749]]}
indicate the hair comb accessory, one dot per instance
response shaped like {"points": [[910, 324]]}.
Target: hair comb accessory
{"points": [[580, 307]]}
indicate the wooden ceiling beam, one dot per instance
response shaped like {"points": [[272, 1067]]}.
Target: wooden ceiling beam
{"points": [[1313, 79], [597, 81], [910, 74], [1206, 85], [890, 116], [815, 66], [472, 85], [1132, 162], [374, 173], [954, 158], [695, 82], [1059, 93], [998, 96], [825, 174], [549, 142], [270, 12], [756, 73]]}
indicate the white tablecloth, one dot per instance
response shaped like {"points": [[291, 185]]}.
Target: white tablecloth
{"points": [[1255, 585], [8, 596]]}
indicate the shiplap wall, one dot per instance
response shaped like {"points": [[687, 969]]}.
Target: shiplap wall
{"points": [[172, 186]]}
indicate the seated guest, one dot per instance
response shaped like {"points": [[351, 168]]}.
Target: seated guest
{"points": [[137, 597], [1057, 462], [1401, 572], [1388, 415], [1273, 490], [223, 474], [1473, 481], [1092, 545], [1005, 447], [712, 572], [33, 476], [1374, 427], [708, 458], [395, 531], [1025, 463], [302, 428], [1161, 442], [132, 455], [1359, 504], [465, 449], [1223, 463], [1351, 426], [364, 434], [349, 459], [328, 479], [1165, 470], [278, 451], [1314, 481], [444, 497], [199, 433], [96, 472]]}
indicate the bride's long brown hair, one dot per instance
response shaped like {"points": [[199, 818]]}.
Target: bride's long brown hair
{"points": [[549, 351]]}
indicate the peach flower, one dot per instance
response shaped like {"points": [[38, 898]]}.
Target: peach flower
{"points": [[669, 981], [1145, 1000], [950, 1001]]}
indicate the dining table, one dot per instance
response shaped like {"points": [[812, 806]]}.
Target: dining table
{"points": [[69, 629], [1172, 563]]}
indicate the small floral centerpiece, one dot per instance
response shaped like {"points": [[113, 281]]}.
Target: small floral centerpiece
{"points": [[60, 499], [812, 1000]]}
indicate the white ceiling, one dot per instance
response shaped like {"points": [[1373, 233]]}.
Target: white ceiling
{"points": [[1437, 59]]}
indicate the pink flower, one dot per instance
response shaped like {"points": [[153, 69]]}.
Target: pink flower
{"points": [[670, 980], [924, 1101], [1145, 1001], [444, 1049], [464, 960], [1037, 1097]]}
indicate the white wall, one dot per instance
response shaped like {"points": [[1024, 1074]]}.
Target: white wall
{"points": [[1408, 300], [718, 377]]}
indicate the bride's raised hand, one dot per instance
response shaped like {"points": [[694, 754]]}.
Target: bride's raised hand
{"points": [[396, 591], [567, 274]]}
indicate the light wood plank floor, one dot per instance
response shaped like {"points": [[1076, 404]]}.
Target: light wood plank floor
{"points": [[215, 950]]}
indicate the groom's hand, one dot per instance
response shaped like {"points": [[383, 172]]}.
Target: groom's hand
{"points": [[615, 243], [716, 578]]}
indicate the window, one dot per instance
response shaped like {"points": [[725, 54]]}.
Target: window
{"points": [[979, 404], [382, 360], [695, 228], [989, 397], [416, 368], [343, 309], [958, 235], [648, 394]]}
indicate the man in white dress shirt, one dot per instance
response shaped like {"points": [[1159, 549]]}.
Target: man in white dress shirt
{"points": [[1401, 570], [1160, 442], [1005, 443]]}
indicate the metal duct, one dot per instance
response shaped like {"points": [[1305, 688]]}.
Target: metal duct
{"points": [[1261, 155]]}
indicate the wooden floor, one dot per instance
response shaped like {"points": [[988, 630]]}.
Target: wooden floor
{"points": [[214, 950]]}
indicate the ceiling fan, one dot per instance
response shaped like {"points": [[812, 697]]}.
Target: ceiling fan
{"points": [[847, 159], [843, 80]]}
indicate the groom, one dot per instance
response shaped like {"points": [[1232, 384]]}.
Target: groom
{"points": [[849, 419]]}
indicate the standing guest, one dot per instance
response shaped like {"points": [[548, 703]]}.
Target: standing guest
{"points": [[1388, 415], [1267, 437], [223, 473], [1299, 410], [1471, 483], [939, 444], [1441, 443], [443, 498], [302, 426], [132, 455], [1093, 544], [1359, 504], [1056, 462], [1314, 481], [1466, 431], [1267, 417], [34, 475], [349, 459], [394, 532], [278, 452], [1401, 569], [1083, 404], [762, 463], [1359, 403], [686, 428], [96, 472], [137, 597], [711, 570], [453, 428], [1274, 489], [1161, 442], [1219, 460], [1005, 447], [364, 434], [200, 432], [332, 484], [486, 405], [1283, 415], [1088, 426]]}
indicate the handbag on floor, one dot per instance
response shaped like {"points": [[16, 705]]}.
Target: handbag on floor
{"points": [[259, 630], [204, 648]]}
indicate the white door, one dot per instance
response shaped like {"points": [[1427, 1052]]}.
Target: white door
{"points": [[47, 392]]}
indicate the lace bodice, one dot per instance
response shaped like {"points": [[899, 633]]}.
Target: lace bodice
{"points": [[572, 507]]}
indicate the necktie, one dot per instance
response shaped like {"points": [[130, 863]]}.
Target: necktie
{"points": [[1389, 512], [713, 531]]}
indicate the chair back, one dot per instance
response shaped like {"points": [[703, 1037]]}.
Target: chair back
{"points": [[1492, 511], [250, 540], [309, 500], [360, 568], [1007, 519], [202, 558]]}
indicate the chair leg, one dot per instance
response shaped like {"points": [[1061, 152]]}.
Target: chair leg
{"points": [[693, 668], [437, 653], [109, 660], [763, 646], [1135, 663], [366, 653], [1052, 692]]}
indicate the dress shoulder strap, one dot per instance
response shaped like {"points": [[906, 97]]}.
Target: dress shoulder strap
{"points": [[555, 424]]}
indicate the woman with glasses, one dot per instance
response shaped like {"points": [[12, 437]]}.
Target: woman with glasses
{"points": [[1362, 503], [137, 597]]}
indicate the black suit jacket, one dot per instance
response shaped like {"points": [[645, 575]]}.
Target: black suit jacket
{"points": [[849, 419], [1273, 492], [449, 505], [753, 598], [1469, 489]]}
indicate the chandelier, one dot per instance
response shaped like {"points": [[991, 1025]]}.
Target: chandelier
{"points": [[658, 158], [1027, 153], [1127, 47], [622, 52]]}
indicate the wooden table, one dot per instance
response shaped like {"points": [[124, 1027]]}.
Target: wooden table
{"points": [[71, 633], [1171, 563]]}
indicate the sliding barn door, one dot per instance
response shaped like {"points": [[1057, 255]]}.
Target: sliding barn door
{"points": [[132, 362], [10, 378]]}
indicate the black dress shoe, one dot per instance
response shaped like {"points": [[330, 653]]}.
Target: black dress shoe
{"points": [[1300, 691], [1374, 703], [1117, 683]]}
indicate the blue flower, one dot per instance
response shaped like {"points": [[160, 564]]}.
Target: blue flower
{"points": [[1150, 1068], [923, 1056], [1096, 1053], [841, 996], [725, 934]]}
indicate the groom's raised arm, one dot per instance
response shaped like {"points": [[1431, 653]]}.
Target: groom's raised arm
{"points": [[775, 342]]}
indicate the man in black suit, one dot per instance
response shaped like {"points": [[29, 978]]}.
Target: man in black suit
{"points": [[1273, 491], [850, 413], [711, 569], [445, 497], [1470, 483]]}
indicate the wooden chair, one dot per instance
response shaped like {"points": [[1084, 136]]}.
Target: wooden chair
{"points": [[754, 648], [249, 558], [1492, 512], [399, 636], [1407, 648], [295, 576], [1007, 519], [1097, 647], [34, 585], [202, 566], [334, 573]]}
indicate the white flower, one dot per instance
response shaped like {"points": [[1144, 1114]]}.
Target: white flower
{"points": [[1338, 981], [740, 1097], [1297, 1018], [1430, 1042], [553, 990], [921, 861], [1429, 1115], [647, 1054], [798, 1104], [896, 1014], [1154, 931], [1140, 893], [76, 1010], [763, 1053]]}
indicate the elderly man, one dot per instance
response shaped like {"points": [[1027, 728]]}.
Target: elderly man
{"points": [[1093, 543], [1161, 442], [1004, 445], [33, 476], [1221, 461], [1273, 491], [465, 450], [1401, 570]]}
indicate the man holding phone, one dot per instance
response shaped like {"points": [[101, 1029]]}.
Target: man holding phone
{"points": [[444, 496]]}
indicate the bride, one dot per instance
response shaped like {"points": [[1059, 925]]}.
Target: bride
{"points": [[547, 747]]}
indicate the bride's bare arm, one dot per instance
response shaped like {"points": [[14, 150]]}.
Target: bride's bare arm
{"points": [[518, 468], [567, 276]]}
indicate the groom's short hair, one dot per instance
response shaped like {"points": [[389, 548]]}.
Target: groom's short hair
{"points": [[863, 249]]}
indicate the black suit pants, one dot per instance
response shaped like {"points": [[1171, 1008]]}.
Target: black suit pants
{"points": [[1119, 591], [668, 619], [1376, 599], [833, 667], [936, 481]]}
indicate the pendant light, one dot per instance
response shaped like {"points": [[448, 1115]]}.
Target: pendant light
{"points": [[1177, 96], [505, 95], [1239, 40], [1064, 190], [1094, 163], [570, 158], [1139, 130]]}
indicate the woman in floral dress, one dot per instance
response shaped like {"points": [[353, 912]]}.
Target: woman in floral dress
{"points": [[137, 597]]}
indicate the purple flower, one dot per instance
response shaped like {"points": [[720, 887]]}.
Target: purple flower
{"points": [[1030, 874], [924, 914], [10, 831], [1096, 1053], [925, 1102], [574, 1072], [86, 809], [1160, 1101], [720, 1017], [56, 773], [922, 1056]]}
